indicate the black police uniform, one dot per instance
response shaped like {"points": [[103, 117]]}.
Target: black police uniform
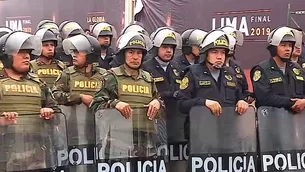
{"points": [[273, 88], [241, 77], [183, 63], [167, 82], [199, 85], [106, 62]]}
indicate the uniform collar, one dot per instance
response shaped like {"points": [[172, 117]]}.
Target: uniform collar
{"points": [[39, 62], [123, 70], [274, 66]]}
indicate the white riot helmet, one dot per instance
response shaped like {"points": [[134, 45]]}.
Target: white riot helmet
{"points": [[70, 28], [278, 35], [131, 40], [238, 35], [214, 39]]}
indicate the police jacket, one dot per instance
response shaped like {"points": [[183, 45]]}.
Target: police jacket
{"points": [[183, 63], [198, 85], [274, 88], [167, 82], [240, 75], [105, 62]]}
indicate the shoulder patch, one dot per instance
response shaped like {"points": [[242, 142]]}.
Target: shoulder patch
{"points": [[101, 70], [237, 70], [61, 65], [70, 70], [147, 76], [257, 75], [228, 77], [296, 71], [184, 83], [117, 71], [34, 77]]}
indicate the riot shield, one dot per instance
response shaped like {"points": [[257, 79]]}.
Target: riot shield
{"points": [[281, 139], [32, 144], [81, 138], [176, 139], [130, 144], [224, 143]]}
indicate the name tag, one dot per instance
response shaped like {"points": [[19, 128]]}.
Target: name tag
{"points": [[204, 82], [231, 84], [300, 78], [159, 79], [275, 80]]}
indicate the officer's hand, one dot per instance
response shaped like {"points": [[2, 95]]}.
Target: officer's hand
{"points": [[86, 99], [4, 121], [299, 105], [46, 113], [214, 106], [124, 108], [153, 108], [241, 107], [10, 117]]}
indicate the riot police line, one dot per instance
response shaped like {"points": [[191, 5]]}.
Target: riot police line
{"points": [[109, 140], [270, 139]]}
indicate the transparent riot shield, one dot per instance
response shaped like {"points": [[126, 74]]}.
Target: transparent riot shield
{"points": [[224, 143], [281, 139], [32, 144], [176, 139], [130, 144], [81, 138]]}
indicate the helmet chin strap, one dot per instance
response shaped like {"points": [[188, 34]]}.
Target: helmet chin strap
{"points": [[215, 66]]}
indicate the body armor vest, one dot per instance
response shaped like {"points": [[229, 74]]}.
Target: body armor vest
{"points": [[47, 72], [79, 83], [23, 97]]}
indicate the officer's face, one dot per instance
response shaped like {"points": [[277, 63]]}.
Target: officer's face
{"points": [[284, 49], [133, 58], [166, 52], [48, 48], [195, 50], [104, 40], [21, 61], [79, 58], [217, 56], [297, 51]]}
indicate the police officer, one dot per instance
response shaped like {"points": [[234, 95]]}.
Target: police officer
{"points": [[210, 83], [191, 39], [114, 93], [67, 29], [134, 27], [46, 66], [232, 62], [23, 93], [166, 74], [127, 87], [4, 31], [164, 71], [78, 83], [297, 51], [105, 34], [278, 82]]}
